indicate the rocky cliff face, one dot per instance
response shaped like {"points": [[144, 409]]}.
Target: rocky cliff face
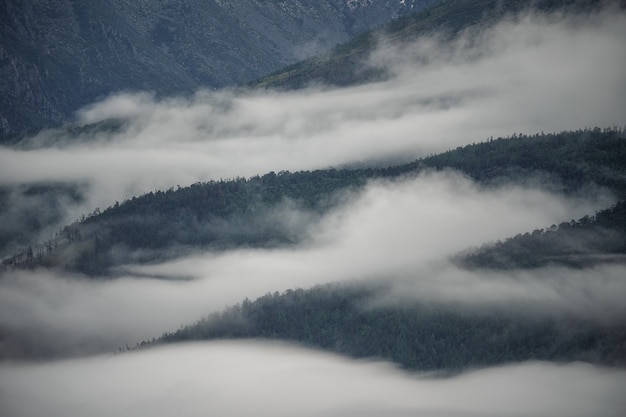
{"points": [[58, 55]]}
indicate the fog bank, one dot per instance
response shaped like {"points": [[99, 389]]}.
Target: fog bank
{"points": [[267, 379]]}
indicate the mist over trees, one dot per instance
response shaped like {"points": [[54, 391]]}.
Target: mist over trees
{"points": [[277, 208], [367, 230], [421, 336], [579, 243]]}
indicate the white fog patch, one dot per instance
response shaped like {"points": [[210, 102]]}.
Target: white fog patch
{"points": [[526, 75], [593, 294], [268, 379], [525, 72], [78, 316], [400, 232], [436, 215]]}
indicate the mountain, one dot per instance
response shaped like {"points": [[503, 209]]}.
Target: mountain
{"points": [[385, 256], [345, 64], [58, 56]]}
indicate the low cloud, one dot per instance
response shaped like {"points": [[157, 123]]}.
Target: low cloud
{"points": [[268, 379], [399, 232], [594, 294]]}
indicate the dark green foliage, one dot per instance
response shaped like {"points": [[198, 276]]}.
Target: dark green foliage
{"points": [[574, 158], [224, 214], [420, 336], [582, 243]]}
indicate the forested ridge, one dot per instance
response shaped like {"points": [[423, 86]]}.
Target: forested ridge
{"points": [[419, 335], [249, 212], [579, 243]]}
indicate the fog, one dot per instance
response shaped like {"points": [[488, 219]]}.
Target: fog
{"points": [[526, 75], [267, 379], [401, 233]]}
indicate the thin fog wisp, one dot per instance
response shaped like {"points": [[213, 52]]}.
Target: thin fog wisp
{"points": [[594, 295]]}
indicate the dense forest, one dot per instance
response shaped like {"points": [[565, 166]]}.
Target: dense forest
{"points": [[249, 212], [427, 336]]}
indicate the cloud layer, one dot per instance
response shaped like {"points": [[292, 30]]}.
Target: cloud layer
{"points": [[265, 379]]}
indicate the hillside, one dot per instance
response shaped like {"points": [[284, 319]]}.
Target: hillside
{"points": [[581, 243], [418, 336], [347, 64], [243, 212], [58, 57]]}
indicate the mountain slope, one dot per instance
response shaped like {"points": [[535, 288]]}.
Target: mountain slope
{"points": [[347, 64], [61, 55], [424, 336], [582, 243], [249, 212]]}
